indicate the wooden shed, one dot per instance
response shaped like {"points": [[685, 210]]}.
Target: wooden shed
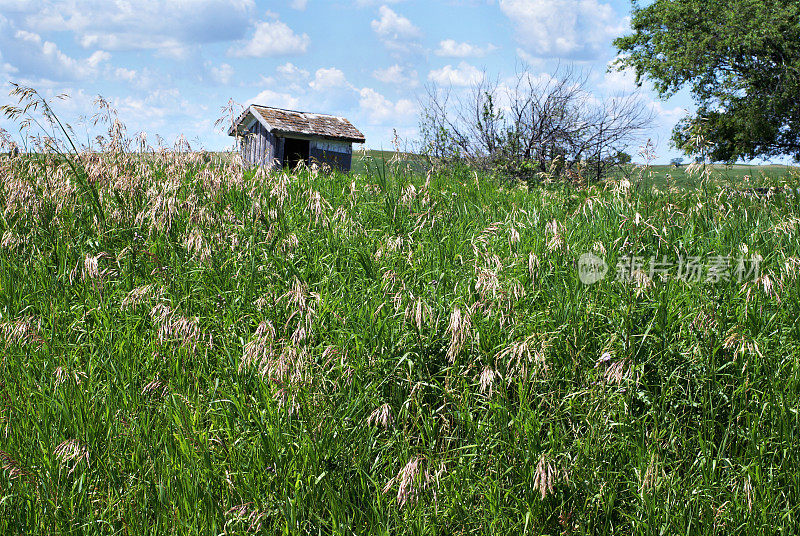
{"points": [[276, 137]]}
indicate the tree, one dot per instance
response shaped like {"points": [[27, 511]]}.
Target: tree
{"points": [[741, 61], [531, 125]]}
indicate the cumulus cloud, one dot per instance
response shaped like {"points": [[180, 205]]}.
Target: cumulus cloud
{"points": [[392, 25], [30, 55], [290, 71], [379, 109], [127, 75], [450, 48], [221, 74], [299, 5], [463, 75], [530, 59], [576, 29], [331, 78], [668, 116], [272, 38], [277, 99], [395, 31], [396, 74], [170, 27]]}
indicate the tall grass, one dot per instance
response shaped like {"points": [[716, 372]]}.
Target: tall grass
{"points": [[230, 351]]}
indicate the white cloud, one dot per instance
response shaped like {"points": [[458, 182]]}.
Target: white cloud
{"points": [[221, 74], [128, 75], [17, 6], [529, 59], [669, 116], [331, 78], [392, 25], [379, 109], [576, 29], [621, 81], [396, 31], [463, 75], [290, 71], [30, 55], [272, 38], [396, 74], [144, 79], [170, 27], [450, 48], [97, 58], [269, 97], [615, 81], [299, 5]]}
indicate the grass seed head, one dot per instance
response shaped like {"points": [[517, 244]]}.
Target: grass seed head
{"points": [[459, 328], [12, 467], [71, 452], [409, 482], [245, 517], [544, 477], [487, 381], [382, 415]]}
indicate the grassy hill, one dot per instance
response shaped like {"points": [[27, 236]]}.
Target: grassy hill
{"points": [[196, 348]]}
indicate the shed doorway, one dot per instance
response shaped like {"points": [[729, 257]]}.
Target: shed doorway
{"points": [[295, 151]]}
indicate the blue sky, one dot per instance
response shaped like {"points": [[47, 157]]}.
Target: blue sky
{"points": [[169, 66]]}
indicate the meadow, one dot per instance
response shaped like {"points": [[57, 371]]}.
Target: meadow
{"points": [[197, 347]]}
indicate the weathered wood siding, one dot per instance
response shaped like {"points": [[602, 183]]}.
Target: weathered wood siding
{"points": [[259, 146], [337, 154], [262, 148]]}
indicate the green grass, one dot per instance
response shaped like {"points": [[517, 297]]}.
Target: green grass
{"points": [[662, 176], [202, 352], [735, 176]]}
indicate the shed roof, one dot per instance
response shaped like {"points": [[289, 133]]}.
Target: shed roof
{"points": [[287, 122]]}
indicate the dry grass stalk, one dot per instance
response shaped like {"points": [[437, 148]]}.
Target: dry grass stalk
{"points": [[554, 233], [245, 516], [544, 477], [382, 415], [749, 493], [418, 312], [288, 245], [12, 467], [612, 372], [317, 206], [408, 195], [23, 332], [740, 345], [140, 295], [649, 481], [185, 330], [62, 375], [197, 246], [414, 478], [260, 348], [520, 357], [486, 381], [156, 389], [459, 328], [71, 452], [533, 265]]}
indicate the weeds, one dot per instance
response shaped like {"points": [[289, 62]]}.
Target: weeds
{"points": [[235, 351]]}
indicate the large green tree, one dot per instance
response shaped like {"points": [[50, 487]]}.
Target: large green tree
{"points": [[739, 58]]}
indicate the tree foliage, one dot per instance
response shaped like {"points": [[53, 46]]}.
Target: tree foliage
{"points": [[741, 61]]}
